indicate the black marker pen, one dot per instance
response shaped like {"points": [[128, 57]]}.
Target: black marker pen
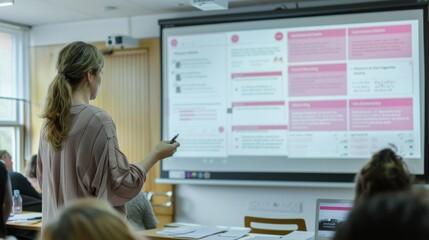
{"points": [[173, 140]]}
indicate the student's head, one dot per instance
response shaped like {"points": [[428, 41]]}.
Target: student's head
{"points": [[79, 67], [385, 172], [31, 168], [89, 219], [7, 159], [391, 216]]}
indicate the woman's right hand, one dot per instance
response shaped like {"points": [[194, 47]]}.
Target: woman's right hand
{"points": [[165, 149], [162, 150]]}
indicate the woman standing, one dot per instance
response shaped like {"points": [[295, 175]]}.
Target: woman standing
{"points": [[79, 154]]}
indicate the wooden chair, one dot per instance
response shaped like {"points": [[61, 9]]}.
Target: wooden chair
{"points": [[298, 222]]}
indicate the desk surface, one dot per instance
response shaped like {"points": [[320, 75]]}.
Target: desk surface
{"points": [[153, 235], [25, 225]]}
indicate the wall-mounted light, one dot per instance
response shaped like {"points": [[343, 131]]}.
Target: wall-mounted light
{"points": [[5, 3]]}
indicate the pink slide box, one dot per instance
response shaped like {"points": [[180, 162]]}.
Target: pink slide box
{"points": [[381, 114], [317, 45], [318, 115], [318, 80], [380, 42]]}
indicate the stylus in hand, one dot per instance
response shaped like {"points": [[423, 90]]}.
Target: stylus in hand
{"points": [[173, 140]]}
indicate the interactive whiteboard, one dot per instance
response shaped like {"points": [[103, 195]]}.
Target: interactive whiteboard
{"points": [[303, 95]]}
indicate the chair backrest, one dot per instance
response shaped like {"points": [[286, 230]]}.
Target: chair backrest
{"points": [[281, 222]]}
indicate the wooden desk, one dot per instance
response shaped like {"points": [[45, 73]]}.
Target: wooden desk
{"points": [[26, 226], [152, 235]]}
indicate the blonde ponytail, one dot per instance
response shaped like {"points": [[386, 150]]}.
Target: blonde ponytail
{"points": [[74, 61], [57, 111]]}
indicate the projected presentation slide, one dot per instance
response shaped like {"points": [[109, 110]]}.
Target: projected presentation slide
{"points": [[334, 91]]}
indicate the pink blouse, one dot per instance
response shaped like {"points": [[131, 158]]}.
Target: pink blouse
{"points": [[89, 164]]}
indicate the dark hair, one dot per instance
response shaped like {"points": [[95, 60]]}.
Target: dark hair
{"points": [[392, 216], [31, 168], [3, 152], [3, 181], [384, 172]]}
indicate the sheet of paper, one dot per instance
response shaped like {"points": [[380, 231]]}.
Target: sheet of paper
{"points": [[230, 234], [220, 237], [26, 218], [201, 232], [235, 232], [177, 230], [298, 235], [265, 238], [181, 224]]}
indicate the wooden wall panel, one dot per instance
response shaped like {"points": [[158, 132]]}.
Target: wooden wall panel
{"points": [[124, 95], [43, 60]]}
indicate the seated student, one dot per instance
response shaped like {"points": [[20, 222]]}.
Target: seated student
{"points": [[390, 216], [5, 201], [140, 212], [385, 172], [90, 219], [31, 173], [31, 199]]}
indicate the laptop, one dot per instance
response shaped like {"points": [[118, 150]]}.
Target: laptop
{"points": [[330, 213]]}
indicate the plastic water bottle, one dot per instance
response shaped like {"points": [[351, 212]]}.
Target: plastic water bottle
{"points": [[16, 202]]}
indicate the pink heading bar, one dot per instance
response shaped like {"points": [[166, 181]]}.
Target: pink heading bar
{"points": [[317, 34], [248, 104], [318, 104], [381, 103], [336, 208], [318, 68], [380, 30], [256, 128]]}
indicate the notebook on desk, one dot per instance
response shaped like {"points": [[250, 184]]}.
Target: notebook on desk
{"points": [[330, 213]]}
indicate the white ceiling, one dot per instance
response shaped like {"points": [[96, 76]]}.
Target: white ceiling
{"points": [[40, 12]]}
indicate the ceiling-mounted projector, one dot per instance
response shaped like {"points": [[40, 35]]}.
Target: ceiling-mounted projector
{"points": [[209, 5], [121, 41]]}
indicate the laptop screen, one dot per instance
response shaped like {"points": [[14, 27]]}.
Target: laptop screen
{"points": [[330, 213]]}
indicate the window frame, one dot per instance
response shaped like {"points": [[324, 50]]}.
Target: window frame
{"points": [[20, 146]]}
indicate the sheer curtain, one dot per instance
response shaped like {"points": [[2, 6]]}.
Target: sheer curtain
{"points": [[14, 91]]}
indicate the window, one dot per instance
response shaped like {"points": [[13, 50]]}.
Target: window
{"points": [[14, 91]]}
